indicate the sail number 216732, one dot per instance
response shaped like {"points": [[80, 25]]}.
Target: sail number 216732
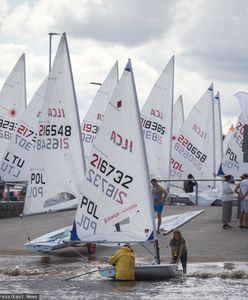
{"points": [[111, 181]]}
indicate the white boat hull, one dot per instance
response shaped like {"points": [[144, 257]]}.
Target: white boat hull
{"points": [[55, 240], [146, 272], [156, 272]]}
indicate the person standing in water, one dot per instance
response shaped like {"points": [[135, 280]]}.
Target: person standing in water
{"points": [[178, 250], [124, 261], [159, 195]]}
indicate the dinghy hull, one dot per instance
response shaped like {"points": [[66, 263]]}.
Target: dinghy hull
{"points": [[156, 272], [146, 272], [52, 241], [56, 240]]}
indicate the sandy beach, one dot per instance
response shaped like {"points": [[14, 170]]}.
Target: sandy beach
{"points": [[205, 239]]}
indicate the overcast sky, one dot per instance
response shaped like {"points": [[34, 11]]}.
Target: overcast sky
{"points": [[209, 39]]}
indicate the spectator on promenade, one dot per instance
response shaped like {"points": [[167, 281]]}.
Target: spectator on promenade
{"points": [[227, 201], [188, 185], [244, 203], [237, 191]]}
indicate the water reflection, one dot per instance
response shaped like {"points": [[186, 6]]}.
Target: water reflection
{"points": [[45, 261]]}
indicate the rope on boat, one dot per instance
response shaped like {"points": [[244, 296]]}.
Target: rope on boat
{"points": [[147, 249], [80, 254], [25, 229]]}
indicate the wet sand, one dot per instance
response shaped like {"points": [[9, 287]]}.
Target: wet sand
{"points": [[205, 239]]}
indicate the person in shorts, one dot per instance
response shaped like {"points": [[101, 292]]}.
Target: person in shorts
{"points": [[159, 195]]}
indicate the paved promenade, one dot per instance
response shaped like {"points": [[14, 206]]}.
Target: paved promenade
{"points": [[205, 239]]}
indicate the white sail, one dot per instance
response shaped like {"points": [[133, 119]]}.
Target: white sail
{"points": [[178, 116], [16, 161], [228, 137], [95, 114], [57, 164], [218, 133], [116, 201], [243, 102], [192, 150], [12, 102], [232, 162], [156, 119]]}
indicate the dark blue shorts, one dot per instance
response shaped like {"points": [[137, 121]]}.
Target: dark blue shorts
{"points": [[158, 207]]}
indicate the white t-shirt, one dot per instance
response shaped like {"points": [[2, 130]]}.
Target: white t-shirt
{"points": [[244, 187], [227, 193]]}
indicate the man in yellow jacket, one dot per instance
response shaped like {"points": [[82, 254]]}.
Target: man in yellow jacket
{"points": [[124, 262]]}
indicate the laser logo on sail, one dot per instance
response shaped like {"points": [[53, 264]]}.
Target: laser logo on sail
{"points": [[199, 131], [124, 143], [56, 112], [156, 113]]}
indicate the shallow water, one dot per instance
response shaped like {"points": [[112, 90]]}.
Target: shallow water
{"points": [[46, 277]]}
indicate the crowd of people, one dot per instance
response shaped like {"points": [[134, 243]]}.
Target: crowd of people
{"points": [[241, 190]]}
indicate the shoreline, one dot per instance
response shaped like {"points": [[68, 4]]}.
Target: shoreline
{"points": [[66, 253], [206, 240]]}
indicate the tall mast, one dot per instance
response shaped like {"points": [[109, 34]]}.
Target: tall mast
{"points": [[157, 255], [213, 132], [171, 125], [50, 48], [75, 101]]}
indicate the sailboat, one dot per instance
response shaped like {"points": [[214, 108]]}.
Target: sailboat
{"points": [[60, 238], [12, 102], [232, 162], [16, 161], [156, 119], [58, 164], [193, 150], [116, 202], [58, 160], [95, 114]]}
